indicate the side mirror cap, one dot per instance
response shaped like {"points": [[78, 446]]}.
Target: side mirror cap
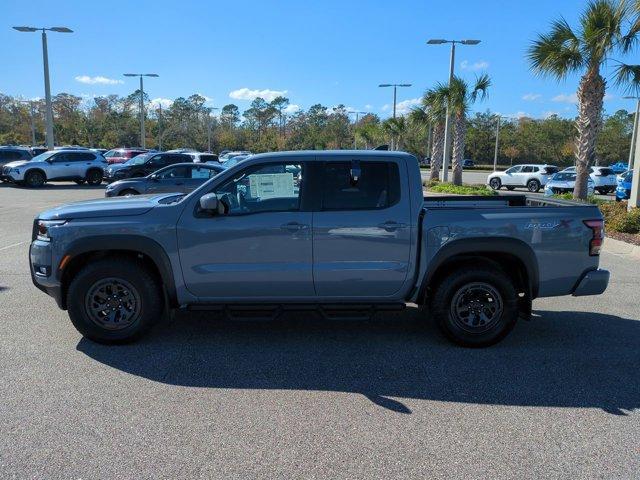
{"points": [[209, 202]]}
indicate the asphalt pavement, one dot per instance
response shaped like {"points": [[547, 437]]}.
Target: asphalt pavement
{"points": [[303, 397]]}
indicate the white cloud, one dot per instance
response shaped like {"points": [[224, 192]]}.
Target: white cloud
{"points": [[156, 102], [550, 113], [248, 94], [291, 108], [530, 97], [206, 99], [481, 65], [563, 98], [403, 107], [368, 107], [97, 80], [573, 98]]}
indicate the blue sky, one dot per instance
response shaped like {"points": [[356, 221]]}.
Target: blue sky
{"points": [[329, 52]]}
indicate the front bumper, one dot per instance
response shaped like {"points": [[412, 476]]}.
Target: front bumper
{"points": [[42, 273], [593, 282]]}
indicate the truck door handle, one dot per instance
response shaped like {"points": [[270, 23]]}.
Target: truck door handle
{"points": [[293, 226], [391, 226]]}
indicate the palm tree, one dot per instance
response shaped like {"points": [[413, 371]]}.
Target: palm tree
{"points": [[420, 122], [396, 128], [459, 96], [434, 102], [605, 27]]}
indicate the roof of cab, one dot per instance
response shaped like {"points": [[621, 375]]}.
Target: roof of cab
{"points": [[323, 154]]}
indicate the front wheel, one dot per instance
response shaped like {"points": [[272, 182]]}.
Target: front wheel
{"points": [[114, 301], [495, 183], [533, 186], [34, 179], [475, 306]]}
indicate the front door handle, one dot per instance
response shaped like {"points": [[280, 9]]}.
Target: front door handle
{"points": [[293, 226], [391, 226]]}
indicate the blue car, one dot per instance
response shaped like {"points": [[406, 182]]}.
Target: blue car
{"points": [[619, 167], [623, 191]]}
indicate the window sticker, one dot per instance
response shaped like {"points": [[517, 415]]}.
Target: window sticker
{"points": [[271, 185], [200, 173]]}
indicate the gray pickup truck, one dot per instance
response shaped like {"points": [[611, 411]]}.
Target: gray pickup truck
{"points": [[346, 233]]}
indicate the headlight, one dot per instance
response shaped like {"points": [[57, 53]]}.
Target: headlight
{"points": [[44, 226]]}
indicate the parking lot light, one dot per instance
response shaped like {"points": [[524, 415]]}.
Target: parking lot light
{"points": [[447, 122], [142, 134], [47, 86]]}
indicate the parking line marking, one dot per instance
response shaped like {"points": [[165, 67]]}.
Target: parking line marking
{"points": [[13, 245]]}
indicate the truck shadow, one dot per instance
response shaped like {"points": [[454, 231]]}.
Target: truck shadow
{"points": [[559, 359]]}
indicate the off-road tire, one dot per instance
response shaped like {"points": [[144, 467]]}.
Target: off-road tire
{"points": [[144, 287]]}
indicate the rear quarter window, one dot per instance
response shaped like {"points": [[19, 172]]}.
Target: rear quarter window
{"points": [[377, 188]]}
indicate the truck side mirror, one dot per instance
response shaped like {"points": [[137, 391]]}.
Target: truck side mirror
{"points": [[209, 203]]}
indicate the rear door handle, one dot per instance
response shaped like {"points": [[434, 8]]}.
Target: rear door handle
{"points": [[391, 226], [293, 226]]}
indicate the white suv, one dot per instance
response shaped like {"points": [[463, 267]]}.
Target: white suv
{"points": [[604, 179], [531, 176], [79, 166]]}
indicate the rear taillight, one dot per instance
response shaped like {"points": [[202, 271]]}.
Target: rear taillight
{"points": [[597, 229]]}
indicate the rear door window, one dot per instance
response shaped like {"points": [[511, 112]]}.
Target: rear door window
{"points": [[527, 169], [377, 187]]}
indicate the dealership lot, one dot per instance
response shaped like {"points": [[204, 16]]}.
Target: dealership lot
{"points": [[303, 397]]}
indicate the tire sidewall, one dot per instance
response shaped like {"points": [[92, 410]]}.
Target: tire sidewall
{"points": [[30, 175], [533, 186], [444, 296], [495, 183], [137, 276]]}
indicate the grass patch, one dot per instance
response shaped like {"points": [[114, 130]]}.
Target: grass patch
{"points": [[445, 187]]}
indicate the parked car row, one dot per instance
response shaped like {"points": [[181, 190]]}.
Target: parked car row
{"points": [[533, 177], [144, 172]]}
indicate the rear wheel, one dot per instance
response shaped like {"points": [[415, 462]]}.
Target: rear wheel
{"points": [[114, 301], [533, 186], [475, 306], [34, 179], [94, 177], [495, 183]]}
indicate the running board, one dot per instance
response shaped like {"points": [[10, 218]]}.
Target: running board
{"points": [[329, 311]]}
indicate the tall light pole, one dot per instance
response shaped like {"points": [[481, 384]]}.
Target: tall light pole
{"points": [[142, 135], [355, 145], [209, 128], [447, 123], [33, 119], [632, 148], [495, 152], [47, 86], [395, 90]]}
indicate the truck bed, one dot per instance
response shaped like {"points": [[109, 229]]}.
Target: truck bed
{"points": [[498, 201]]}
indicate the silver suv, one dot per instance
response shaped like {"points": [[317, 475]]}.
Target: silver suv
{"points": [[79, 166]]}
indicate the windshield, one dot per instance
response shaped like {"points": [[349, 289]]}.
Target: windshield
{"points": [[113, 153], [43, 156], [564, 176], [139, 160]]}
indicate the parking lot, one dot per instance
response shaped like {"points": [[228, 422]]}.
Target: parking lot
{"points": [[305, 397]]}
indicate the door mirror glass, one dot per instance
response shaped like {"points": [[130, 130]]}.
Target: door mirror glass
{"points": [[209, 203]]}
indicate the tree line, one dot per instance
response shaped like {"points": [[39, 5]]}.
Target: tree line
{"points": [[113, 121]]}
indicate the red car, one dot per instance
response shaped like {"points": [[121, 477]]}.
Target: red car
{"points": [[121, 155]]}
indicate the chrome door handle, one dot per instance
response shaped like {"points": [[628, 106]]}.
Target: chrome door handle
{"points": [[293, 226], [391, 226]]}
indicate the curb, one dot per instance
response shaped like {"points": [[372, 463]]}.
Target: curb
{"points": [[618, 247]]}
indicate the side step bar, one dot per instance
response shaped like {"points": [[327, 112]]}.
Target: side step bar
{"points": [[329, 311]]}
